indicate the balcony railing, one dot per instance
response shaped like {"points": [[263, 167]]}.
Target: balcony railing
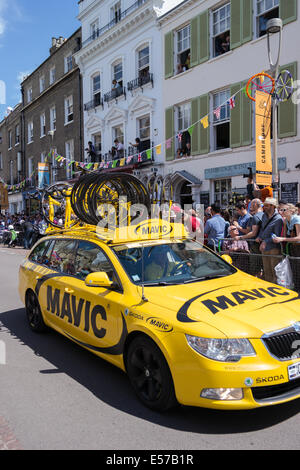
{"points": [[140, 82], [96, 34], [114, 94], [97, 101], [130, 156]]}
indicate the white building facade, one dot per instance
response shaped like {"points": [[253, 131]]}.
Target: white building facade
{"points": [[211, 49], [121, 67]]}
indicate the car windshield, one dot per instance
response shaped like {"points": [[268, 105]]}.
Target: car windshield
{"points": [[179, 262]]}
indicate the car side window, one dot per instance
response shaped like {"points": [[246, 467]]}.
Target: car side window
{"points": [[90, 259], [37, 255], [63, 256], [47, 253]]}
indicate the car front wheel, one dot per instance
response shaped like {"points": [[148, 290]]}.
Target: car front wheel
{"points": [[149, 375]]}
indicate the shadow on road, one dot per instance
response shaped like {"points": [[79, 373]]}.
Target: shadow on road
{"points": [[111, 385]]}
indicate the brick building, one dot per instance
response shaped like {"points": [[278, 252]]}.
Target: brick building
{"points": [[11, 165], [49, 118]]}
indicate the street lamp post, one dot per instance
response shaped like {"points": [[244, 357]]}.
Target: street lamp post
{"points": [[51, 133], [275, 26]]}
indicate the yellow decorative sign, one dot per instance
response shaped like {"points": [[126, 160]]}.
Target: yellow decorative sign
{"points": [[263, 139]]}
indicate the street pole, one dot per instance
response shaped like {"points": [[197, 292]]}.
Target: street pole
{"points": [[51, 133], [275, 26]]}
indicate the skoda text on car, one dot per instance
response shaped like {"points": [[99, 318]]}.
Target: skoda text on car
{"points": [[183, 323]]}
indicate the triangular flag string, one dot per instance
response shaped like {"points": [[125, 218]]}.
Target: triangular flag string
{"points": [[138, 157]]}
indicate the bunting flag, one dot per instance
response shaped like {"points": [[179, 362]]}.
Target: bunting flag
{"points": [[114, 163], [139, 158], [168, 143], [231, 102], [129, 159], [179, 136], [191, 129], [217, 112], [158, 149], [122, 161], [204, 122], [149, 154]]}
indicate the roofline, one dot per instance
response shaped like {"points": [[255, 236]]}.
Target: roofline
{"points": [[49, 57], [180, 6]]}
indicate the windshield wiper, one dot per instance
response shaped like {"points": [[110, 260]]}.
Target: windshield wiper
{"points": [[204, 278], [162, 283]]}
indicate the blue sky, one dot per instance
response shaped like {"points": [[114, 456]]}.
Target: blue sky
{"points": [[26, 29]]}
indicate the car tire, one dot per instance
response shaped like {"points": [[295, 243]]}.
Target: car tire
{"points": [[34, 314], [150, 375]]}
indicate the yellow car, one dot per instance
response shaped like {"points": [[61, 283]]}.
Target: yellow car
{"points": [[183, 323]]}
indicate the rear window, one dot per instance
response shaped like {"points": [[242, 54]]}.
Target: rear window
{"points": [[38, 255], [63, 255]]}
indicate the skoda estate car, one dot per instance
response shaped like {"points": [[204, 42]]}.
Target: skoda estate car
{"points": [[185, 325]]}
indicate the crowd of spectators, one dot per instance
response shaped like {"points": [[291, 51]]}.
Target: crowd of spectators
{"points": [[255, 227], [21, 230], [251, 227]]}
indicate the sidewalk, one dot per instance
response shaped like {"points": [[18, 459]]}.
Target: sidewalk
{"points": [[17, 250]]}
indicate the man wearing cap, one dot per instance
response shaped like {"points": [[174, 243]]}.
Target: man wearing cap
{"points": [[271, 225]]}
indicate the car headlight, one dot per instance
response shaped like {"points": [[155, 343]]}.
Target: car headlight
{"points": [[224, 350]]}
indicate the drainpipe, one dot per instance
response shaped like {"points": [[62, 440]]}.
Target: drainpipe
{"points": [[23, 146]]}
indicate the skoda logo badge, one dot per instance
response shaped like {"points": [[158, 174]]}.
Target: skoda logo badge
{"points": [[248, 382]]}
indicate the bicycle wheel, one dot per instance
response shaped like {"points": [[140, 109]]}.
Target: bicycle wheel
{"points": [[58, 193], [260, 82], [284, 86]]}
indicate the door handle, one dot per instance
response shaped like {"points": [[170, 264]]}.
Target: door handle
{"points": [[69, 291]]}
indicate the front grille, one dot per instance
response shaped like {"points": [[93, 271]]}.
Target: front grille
{"points": [[283, 345], [277, 392]]}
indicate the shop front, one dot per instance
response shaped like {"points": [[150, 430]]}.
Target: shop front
{"points": [[15, 203]]}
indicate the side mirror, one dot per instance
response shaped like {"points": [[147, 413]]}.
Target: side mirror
{"points": [[227, 258], [99, 279]]}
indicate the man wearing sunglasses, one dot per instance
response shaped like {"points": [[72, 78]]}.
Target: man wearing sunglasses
{"points": [[272, 224]]}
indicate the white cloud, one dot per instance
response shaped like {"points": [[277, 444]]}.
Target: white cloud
{"points": [[10, 12], [3, 7], [162, 6]]}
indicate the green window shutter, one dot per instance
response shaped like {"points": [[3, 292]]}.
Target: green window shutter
{"points": [[235, 24], [203, 37], [287, 111], [169, 55], [288, 10], [246, 126], [169, 126], [203, 133], [247, 17], [235, 117], [195, 41], [195, 118]]}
